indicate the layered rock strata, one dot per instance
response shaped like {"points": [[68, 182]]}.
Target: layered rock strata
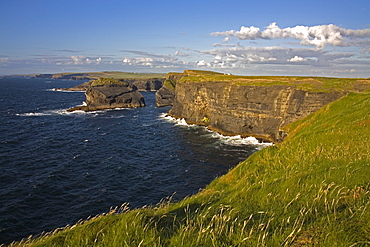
{"points": [[111, 97], [152, 84], [166, 95], [258, 111]]}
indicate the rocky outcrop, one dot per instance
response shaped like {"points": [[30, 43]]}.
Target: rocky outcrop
{"points": [[166, 95], [110, 97], [44, 76], [152, 84], [258, 111]]}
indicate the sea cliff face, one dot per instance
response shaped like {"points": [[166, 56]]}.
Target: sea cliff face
{"points": [[258, 111], [166, 94], [110, 97]]}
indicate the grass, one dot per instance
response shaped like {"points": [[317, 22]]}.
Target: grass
{"points": [[313, 189], [171, 84], [201, 72], [107, 81], [173, 78], [321, 84]]}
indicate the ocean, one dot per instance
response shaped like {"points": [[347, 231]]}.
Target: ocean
{"points": [[58, 167]]}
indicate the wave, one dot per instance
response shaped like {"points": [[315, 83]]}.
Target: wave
{"points": [[236, 140], [32, 114], [176, 121], [239, 140], [51, 113], [63, 90], [76, 113]]}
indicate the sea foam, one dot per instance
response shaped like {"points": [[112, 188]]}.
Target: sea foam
{"points": [[236, 140]]}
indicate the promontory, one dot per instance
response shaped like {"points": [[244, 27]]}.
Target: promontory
{"points": [[257, 106], [105, 93]]}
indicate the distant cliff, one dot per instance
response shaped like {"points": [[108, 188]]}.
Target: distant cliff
{"points": [[139, 81], [150, 84], [255, 106], [110, 94]]}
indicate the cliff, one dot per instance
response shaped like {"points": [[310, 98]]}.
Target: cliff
{"points": [[149, 84], [109, 94], [166, 95], [257, 107]]}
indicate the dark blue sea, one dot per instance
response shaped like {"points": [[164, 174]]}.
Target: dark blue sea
{"points": [[58, 167]]}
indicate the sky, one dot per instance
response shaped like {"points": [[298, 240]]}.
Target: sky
{"points": [[243, 37]]}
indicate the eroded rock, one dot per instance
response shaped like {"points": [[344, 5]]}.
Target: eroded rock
{"points": [[258, 111], [110, 97]]}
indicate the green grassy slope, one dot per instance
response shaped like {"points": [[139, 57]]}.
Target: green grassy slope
{"points": [[313, 189]]}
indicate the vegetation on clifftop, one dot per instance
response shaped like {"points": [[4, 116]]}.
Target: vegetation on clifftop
{"points": [[322, 84], [172, 78], [107, 81], [313, 189]]}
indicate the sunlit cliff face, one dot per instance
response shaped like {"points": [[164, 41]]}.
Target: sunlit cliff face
{"points": [[246, 110]]}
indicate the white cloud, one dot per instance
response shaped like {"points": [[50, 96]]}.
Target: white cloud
{"points": [[297, 59], [4, 60], [318, 36], [203, 63], [142, 61], [308, 59], [79, 60], [180, 54], [218, 57], [224, 45], [272, 54]]}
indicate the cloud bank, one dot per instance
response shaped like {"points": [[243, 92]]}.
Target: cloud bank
{"points": [[323, 50], [318, 36]]}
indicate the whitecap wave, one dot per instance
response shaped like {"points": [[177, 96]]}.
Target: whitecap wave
{"points": [[176, 121], [32, 114], [52, 112], [236, 140], [63, 90]]}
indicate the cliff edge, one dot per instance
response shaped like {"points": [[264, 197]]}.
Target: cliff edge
{"points": [[254, 106]]}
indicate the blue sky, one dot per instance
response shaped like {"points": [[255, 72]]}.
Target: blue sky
{"points": [[265, 37]]}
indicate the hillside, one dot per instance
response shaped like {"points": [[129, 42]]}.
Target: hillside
{"points": [[313, 189]]}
